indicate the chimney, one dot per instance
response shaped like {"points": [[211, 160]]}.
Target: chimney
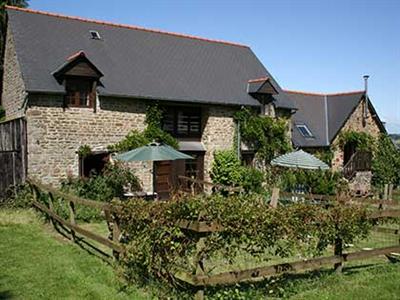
{"points": [[366, 97]]}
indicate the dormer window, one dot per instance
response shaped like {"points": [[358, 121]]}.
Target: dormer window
{"points": [[305, 131], [80, 78], [79, 92]]}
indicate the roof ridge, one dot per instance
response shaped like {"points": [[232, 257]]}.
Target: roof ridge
{"points": [[323, 94], [124, 26]]}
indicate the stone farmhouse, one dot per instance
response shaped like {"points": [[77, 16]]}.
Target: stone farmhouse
{"points": [[74, 82]]}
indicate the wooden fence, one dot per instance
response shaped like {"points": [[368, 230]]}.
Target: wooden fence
{"points": [[111, 215], [13, 154], [200, 280], [202, 230]]}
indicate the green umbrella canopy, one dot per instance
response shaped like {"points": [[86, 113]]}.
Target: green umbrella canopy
{"points": [[299, 159], [152, 152]]}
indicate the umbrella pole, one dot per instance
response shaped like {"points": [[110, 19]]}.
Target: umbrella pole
{"points": [[154, 177]]}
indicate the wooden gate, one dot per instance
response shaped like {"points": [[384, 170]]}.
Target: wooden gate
{"points": [[13, 154]]}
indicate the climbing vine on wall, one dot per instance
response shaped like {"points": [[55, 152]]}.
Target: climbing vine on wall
{"points": [[362, 140], [266, 135], [153, 132]]}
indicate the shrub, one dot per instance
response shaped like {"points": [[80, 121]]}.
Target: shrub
{"points": [[157, 247], [227, 170], [19, 196], [251, 179], [105, 186], [315, 181], [102, 187]]}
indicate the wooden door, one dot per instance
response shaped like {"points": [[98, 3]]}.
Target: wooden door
{"points": [[162, 181]]}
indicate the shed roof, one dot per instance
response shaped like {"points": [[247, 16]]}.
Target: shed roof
{"points": [[137, 62]]}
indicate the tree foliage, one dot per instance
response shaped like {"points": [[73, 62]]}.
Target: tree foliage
{"points": [[386, 162], [266, 135]]}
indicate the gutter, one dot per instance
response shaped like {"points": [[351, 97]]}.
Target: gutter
{"points": [[326, 120]]}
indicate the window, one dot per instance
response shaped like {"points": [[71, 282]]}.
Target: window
{"points": [[182, 122], [305, 131], [95, 35], [79, 93], [93, 164]]}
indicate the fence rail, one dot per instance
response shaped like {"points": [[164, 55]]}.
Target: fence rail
{"points": [[110, 214]]}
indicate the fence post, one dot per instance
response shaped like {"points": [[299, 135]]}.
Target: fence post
{"points": [[71, 206], [116, 233], [51, 207], [386, 192], [200, 266], [338, 251], [390, 192], [274, 198]]}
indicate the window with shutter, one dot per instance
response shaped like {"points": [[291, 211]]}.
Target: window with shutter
{"points": [[79, 92], [182, 122]]}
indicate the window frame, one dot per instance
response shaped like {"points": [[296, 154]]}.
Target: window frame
{"points": [[308, 135], [190, 113], [76, 95]]}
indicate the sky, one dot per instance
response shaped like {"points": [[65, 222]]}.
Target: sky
{"points": [[307, 45]]}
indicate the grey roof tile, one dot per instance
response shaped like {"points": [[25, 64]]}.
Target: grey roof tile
{"points": [[137, 62]]}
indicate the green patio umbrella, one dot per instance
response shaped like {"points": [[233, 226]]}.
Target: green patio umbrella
{"points": [[299, 159], [152, 152]]}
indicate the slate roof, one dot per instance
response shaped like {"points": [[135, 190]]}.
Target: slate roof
{"points": [[137, 62], [324, 115]]}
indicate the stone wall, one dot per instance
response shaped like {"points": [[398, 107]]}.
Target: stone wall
{"points": [[218, 133], [354, 123], [13, 86], [56, 133]]}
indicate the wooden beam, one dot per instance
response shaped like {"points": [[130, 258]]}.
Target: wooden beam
{"points": [[201, 227], [388, 213], [71, 198], [77, 229], [237, 276]]}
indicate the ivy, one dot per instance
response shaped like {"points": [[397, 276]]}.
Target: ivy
{"points": [[84, 151], [153, 132], [362, 140], [266, 135]]}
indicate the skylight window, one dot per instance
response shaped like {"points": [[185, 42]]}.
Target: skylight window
{"points": [[305, 131], [95, 35]]}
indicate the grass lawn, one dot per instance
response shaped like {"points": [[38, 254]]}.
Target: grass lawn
{"points": [[36, 263], [358, 282]]}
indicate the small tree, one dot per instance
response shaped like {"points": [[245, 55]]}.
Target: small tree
{"points": [[386, 162]]}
